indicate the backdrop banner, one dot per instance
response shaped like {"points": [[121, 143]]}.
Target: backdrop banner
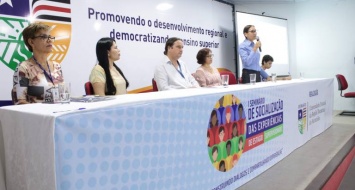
{"points": [[140, 29]]}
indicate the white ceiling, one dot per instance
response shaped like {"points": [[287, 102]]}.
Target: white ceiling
{"points": [[263, 1]]}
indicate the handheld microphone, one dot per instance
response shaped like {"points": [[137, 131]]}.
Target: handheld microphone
{"points": [[257, 39]]}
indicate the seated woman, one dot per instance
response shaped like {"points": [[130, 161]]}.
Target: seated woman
{"points": [[106, 78], [206, 75], [34, 78]]}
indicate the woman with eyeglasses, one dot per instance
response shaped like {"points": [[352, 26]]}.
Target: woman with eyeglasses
{"points": [[106, 77], [206, 75], [35, 78], [250, 54]]}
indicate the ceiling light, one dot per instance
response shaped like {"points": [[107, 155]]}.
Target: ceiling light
{"points": [[164, 6]]}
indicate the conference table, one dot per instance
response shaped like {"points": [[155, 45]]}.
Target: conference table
{"points": [[199, 138]]}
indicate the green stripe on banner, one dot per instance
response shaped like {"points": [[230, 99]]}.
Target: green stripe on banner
{"points": [[272, 133]]}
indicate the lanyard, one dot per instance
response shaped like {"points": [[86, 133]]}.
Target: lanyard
{"points": [[179, 70], [49, 76]]}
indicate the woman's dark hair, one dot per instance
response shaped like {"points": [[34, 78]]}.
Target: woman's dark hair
{"points": [[246, 29], [266, 59], [240, 106], [220, 129], [229, 143], [236, 127], [102, 46], [169, 43], [222, 163], [214, 149], [214, 112], [233, 102], [201, 55]]}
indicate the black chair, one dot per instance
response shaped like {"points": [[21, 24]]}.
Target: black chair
{"points": [[343, 85]]}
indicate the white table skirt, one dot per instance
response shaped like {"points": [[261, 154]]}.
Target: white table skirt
{"points": [[33, 138]]}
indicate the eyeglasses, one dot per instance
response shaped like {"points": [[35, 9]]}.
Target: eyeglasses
{"points": [[210, 55], [45, 37], [252, 31]]}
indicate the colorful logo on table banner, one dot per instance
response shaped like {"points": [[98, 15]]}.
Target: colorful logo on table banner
{"points": [[226, 133], [229, 135], [302, 118], [15, 15]]}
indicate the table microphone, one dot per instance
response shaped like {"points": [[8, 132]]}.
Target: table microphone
{"points": [[257, 39]]}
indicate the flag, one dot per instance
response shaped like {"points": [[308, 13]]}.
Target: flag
{"points": [[55, 10], [20, 8]]}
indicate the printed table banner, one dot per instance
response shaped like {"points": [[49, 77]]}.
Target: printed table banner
{"points": [[212, 141]]}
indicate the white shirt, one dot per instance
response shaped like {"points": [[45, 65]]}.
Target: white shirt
{"points": [[168, 77]]}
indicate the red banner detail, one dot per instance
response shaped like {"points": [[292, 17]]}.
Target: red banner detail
{"points": [[253, 142], [51, 8]]}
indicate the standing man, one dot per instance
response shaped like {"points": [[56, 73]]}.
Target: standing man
{"points": [[173, 73], [250, 54]]}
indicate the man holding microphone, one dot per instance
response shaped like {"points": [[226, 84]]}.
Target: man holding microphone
{"points": [[249, 52]]}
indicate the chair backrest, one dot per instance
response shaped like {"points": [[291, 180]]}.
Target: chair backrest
{"points": [[154, 84], [89, 90], [342, 83], [232, 79]]}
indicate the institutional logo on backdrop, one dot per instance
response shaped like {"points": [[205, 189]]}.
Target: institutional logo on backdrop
{"points": [[302, 118], [226, 133], [15, 15]]}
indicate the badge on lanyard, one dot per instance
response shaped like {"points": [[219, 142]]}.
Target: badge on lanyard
{"points": [[48, 75]]}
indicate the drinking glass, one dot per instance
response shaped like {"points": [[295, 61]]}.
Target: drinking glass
{"points": [[64, 92], [301, 75], [273, 77], [252, 78], [225, 80]]}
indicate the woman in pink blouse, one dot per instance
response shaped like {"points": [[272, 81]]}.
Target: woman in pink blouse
{"points": [[206, 75]]}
